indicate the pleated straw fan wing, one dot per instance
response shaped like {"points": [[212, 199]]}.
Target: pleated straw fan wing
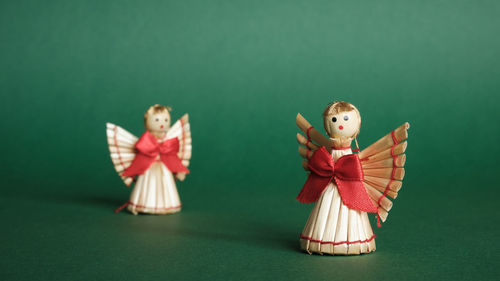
{"points": [[121, 148], [181, 130], [383, 167]]}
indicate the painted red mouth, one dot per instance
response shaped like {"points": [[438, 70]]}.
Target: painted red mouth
{"points": [[161, 127], [341, 127]]}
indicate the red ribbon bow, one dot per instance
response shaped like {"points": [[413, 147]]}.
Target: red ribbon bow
{"points": [[347, 174], [148, 149]]}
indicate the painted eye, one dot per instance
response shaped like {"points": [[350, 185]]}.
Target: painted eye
{"points": [[346, 117], [334, 119], [157, 119], [166, 120]]}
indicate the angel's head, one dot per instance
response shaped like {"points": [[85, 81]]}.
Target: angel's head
{"points": [[157, 118], [342, 120]]}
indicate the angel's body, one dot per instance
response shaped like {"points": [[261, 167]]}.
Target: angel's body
{"points": [[155, 191], [346, 186], [326, 230], [157, 159]]}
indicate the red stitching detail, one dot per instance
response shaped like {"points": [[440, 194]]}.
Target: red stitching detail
{"points": [[118, 149], [337, 243], [307, 132], [393, 172], [142, 206], [121, 161], [394, 137], [395, 143], [385, 192], [392, 175]]}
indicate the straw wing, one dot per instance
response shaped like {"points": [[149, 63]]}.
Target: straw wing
{"points": [[182, 130], [121, 147], [383, 167]]}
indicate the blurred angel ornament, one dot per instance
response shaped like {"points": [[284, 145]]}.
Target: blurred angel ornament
{"points": [[154, 161], [347, 186]]}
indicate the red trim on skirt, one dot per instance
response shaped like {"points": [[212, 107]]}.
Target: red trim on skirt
{"points": [[337, 243], [143, 207], [146, 207]]}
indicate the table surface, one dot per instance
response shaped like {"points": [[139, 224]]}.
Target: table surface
{"points": [[243, 70]]}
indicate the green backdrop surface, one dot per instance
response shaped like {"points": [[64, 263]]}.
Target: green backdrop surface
{"points": [[243, 70]]}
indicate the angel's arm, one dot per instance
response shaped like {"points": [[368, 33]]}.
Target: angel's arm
{"points": [[180, 176], [312, 133], [313, 141]]}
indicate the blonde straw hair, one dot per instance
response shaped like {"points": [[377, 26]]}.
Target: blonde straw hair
{"points": [[155, 109], [339, 107]]}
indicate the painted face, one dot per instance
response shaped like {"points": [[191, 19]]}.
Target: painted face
{"points": [[344, 124], [159, 122]]}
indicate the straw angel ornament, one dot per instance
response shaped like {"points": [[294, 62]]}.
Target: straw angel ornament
{"points": [[347, 186], [154, 161]]}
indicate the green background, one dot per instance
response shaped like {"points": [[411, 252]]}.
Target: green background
{"points": [[243, 70]]}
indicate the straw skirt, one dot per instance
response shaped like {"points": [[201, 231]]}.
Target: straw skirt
{"points": [[155, 192]]}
